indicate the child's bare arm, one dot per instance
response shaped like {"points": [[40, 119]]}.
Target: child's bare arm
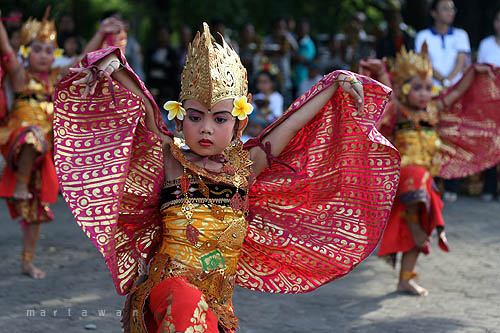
{"points": [[281, 135], [464, 84], [111, 64]]}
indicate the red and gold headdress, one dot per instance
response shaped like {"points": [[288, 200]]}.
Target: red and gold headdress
{"points": [[212, 72], [44, 31]]}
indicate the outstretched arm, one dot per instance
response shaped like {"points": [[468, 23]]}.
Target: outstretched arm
{"points": [[459, 66], [280, 136], [463, 85], [111, 65], [14, 68], [110, 25], [376, 69]]}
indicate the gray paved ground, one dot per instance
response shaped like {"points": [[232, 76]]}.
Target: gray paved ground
{"points": [[464, 286]]}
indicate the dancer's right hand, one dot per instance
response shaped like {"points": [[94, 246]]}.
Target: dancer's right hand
{"points": [[111, 25], [108, 65]]}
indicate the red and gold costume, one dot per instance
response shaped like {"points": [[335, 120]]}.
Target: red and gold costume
{"points": [[177, 248], [30, 123]]}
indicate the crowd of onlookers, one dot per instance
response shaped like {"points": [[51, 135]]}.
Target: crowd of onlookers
{"points": [[288, 60]]}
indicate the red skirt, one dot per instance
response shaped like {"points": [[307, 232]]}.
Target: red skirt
{"points": [[178, 306], [43, 182], [416, 186]]}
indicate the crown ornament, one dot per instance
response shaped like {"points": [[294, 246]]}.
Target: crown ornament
{"points": [[212, 72], [409, 64], [44, 31]]}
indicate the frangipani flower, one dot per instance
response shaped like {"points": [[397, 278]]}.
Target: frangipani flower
{"points": [[24, 51], [174, 109], [435, 90], [241, 108], [58, 53], [405, 88]]}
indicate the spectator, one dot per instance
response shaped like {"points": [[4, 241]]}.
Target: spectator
{"points": [[398, 33], [278, 47], [72, 48], [359, 43], [65, 28], [304, 55], [186, 36], [13, 20], [267, 102], [314, 75], [489, 52], [448, 46], [133, 52], [220, 29], [249, 48], [335, 57], [163, 67]]}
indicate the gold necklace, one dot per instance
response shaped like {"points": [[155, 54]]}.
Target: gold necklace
{"points": [[235, 172]]}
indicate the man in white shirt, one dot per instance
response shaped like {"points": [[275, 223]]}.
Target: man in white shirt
{"points": [[448, 46]]}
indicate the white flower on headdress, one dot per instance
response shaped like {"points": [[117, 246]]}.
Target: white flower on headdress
{"points": [[24, 51], [174, 109], [241, 108]]}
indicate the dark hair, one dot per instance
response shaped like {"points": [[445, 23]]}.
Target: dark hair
{"points": [[272, 77], [434, 4], [77, 39], [269, 75], [109, 13], [497, 10], [276, 20]]}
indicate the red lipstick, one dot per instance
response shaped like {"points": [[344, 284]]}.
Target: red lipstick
{"points": [[205, 143]]}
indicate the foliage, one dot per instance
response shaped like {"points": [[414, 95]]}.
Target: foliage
{"points": [[145, 14]]}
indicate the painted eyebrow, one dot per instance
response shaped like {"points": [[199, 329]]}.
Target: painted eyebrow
{"points": [[196, 110], [223, 111]]}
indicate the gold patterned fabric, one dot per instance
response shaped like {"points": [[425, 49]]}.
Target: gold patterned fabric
{"points": [[419, 147], [110, 168]]}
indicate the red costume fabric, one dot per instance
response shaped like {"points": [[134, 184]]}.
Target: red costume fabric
{"points": [[416, 186], [188, 313]]}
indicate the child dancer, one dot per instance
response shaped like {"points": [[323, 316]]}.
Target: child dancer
{"points": [[29, 181], [452, 134], [180, 222]]}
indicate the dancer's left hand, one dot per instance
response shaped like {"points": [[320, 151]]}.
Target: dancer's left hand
{"points": [[107, 65], [351, 85], [484, 68]]}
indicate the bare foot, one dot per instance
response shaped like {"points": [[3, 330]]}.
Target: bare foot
{"points": [[412, 288], [21, 192], [29, 269]]}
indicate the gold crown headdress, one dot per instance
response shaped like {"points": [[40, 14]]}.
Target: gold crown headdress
{"points": [[44, 31], [213, 72], [409, 64]]}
